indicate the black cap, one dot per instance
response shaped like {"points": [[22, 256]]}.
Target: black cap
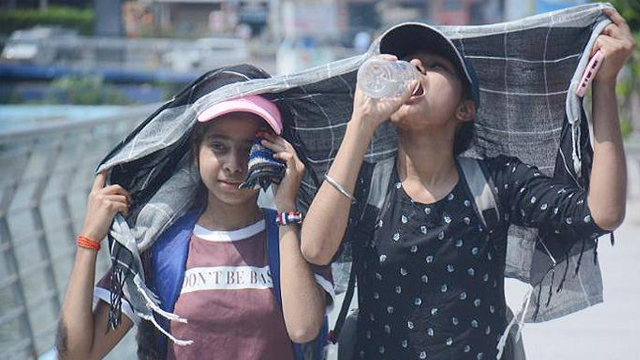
{"points": [[408, 38]]}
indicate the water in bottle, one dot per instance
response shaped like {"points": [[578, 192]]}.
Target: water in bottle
{"points": [[381, 78]]}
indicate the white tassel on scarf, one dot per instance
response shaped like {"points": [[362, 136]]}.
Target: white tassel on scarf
{"points": [[518, 318]]}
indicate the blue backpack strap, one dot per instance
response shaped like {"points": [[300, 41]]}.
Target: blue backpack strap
{"points": [[168, 260], [273, 259], [273, 251]]}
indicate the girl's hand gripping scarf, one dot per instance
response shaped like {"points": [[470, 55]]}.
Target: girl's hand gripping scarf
{"points": [[263, 168]]}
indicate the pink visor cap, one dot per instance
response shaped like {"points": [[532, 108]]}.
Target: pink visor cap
{"points": [[253, 104]]}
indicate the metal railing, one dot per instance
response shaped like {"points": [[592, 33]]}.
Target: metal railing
{"points": [[46, 172]]}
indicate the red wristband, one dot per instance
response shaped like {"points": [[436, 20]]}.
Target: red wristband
{"points": [[87, 243]]}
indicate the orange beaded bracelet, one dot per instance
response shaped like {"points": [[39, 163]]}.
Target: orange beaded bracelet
{"points": [[87, 243]]}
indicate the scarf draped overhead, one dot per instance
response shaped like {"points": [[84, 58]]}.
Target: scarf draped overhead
{"points": [[528, 72]]}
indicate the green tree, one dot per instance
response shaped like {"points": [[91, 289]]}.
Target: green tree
{"points": [[84, 90], [70, 18], [628, 87], [630, 10]]}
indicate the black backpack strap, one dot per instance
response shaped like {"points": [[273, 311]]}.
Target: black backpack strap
{"points": [[481, 187], [369, 216], [348, 296]]}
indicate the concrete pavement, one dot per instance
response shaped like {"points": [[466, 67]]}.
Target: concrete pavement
{"points": [[607, 331]]}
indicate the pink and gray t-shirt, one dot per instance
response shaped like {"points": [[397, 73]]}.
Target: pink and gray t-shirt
{"points": [[227, 298]]}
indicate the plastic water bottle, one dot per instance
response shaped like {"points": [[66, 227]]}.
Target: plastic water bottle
{"points": [[381, 78]]}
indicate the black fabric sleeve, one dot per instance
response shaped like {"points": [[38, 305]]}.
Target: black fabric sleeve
{"points": [[530, 198]]}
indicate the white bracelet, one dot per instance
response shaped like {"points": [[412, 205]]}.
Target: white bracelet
{"points": [[339, 187]]}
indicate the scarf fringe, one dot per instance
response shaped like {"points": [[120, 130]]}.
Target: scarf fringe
{"points": [[519, 319], [535, 314], [153, 304], [576, 153], [584, 244], [553, 276], [564, 274], [117, 280], [166, 333], [115, 311]]}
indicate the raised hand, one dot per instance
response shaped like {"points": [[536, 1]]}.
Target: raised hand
{"points": [[371, 112], [287, 190], [103, 204], [617, 45]]}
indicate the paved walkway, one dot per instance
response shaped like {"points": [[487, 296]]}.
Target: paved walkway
{"points": [[607, 331]]}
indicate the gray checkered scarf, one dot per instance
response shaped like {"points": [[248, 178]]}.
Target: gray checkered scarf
{"points": [[528, 72]]}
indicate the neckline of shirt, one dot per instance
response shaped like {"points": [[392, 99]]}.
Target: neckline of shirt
{"points": [[227, 236], [399, 187]]}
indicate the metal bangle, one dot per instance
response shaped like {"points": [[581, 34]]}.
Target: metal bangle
{"points": [[339, 187]]}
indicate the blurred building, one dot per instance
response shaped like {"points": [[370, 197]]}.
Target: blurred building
{"points": [[331, 18], [109, 23], [383, 14], [517, 9], [305, 32], [194, 18], [312, 32]]}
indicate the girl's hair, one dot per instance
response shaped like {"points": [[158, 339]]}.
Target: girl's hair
{"points": [[147, 341], [147, 335], [197, 136]]}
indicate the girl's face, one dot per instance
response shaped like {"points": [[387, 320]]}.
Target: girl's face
{"points": [[223, 155], [439, 101]]}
